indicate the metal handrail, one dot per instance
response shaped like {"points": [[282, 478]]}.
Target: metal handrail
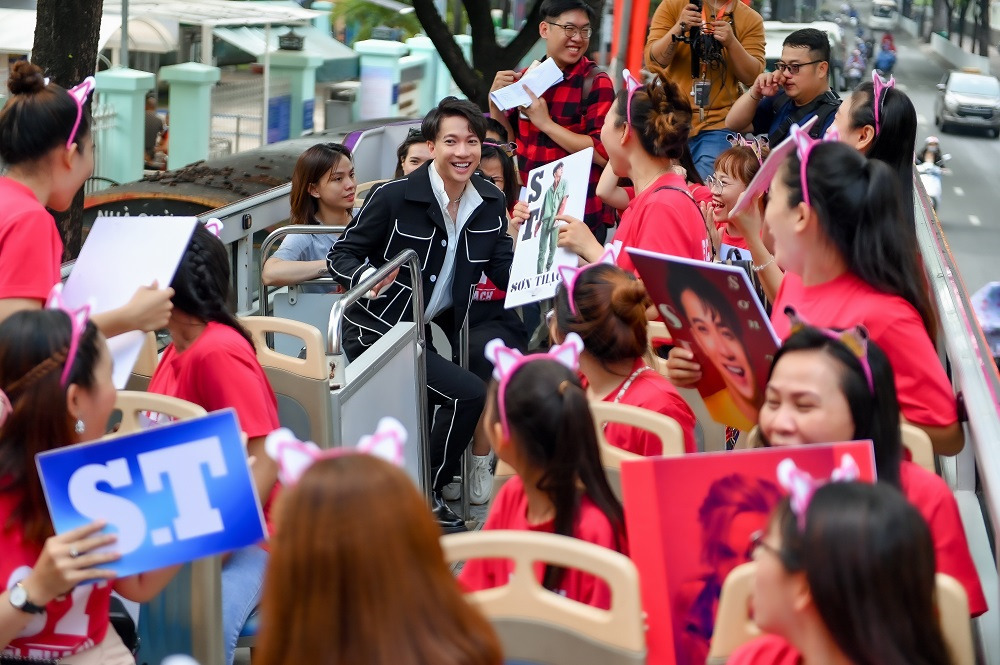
{"points": [[333, 337], [407, 256], [272, 239], [973, 369]]}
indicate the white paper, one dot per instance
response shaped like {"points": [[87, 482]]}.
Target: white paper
{"points": [[120, 255], [539, 79], [534, 273]]}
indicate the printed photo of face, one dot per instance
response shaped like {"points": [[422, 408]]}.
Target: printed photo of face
{"points": [[721, 345]]}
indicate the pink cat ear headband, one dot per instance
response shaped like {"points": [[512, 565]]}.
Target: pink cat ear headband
{"points": [[78, 320], [507, 361], [804, 145], [801, 486], [215, 226], [80, 93], [755, 143], [294, 456], [880, 86], [570, 274]]}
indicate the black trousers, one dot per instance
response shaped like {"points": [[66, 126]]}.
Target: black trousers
{"points": [[459, 396]]}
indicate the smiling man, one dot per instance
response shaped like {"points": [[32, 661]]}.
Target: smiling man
{"points": [[798, 89], [456, 222], [568, 116]]}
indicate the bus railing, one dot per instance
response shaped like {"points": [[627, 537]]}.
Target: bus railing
{"points": [[263, 305], [334, 334], [974, 474]]}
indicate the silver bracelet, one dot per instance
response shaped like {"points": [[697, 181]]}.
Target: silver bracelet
{"points": [[761, 267]]}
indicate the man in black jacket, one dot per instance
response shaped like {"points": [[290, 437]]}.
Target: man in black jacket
{"points": [[456, 222]]}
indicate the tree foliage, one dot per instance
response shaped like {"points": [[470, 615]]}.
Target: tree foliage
{"points": [[65, 46], [488, 56], [367, 16]]}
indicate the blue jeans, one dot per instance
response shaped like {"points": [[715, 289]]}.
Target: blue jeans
{"points": [[705, 147], [242, 580]]}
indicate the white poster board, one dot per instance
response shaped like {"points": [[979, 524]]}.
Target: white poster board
{"points": [[556, 188], [120, 255]]}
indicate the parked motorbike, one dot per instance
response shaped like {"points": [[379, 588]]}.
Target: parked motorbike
{"points": [[930, 176]]}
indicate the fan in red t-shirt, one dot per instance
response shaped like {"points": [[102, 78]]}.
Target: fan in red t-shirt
{"points": [[539, 423], [837, 235]]}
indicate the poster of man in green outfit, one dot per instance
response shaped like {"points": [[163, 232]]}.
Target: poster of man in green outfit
{"points": [[554, 190], [552, 205]]}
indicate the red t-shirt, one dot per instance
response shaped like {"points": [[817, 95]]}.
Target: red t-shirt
{"points": [[665, 221], [220, 370], [30, 247], [652, 391], [510, 511], [765, 650], [925, 395], [69, 626], [486, 291], [733, 241], [931, 496]]}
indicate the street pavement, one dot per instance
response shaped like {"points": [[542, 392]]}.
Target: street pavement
{"points": [[970, 205]]}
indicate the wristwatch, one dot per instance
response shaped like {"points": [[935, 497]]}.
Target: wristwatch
{"points": [[19, 599]]}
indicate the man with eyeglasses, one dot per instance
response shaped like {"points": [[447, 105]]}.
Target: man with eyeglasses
{"points": [[568, 116], [798, 89], [728, 52]]}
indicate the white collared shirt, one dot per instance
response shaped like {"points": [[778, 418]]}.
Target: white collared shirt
{"points": [[441, 291]]}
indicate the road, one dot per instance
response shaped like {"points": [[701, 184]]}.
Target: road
{"points": [[970, 206]]}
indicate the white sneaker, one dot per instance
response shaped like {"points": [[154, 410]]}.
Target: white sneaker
{"points": [[481, 479], [452, 491]]}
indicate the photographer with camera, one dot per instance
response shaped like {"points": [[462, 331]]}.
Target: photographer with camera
{"points": [[707, 50], [797, 90]]}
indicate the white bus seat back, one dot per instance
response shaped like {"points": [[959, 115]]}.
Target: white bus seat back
{"points": [[302, 385], [538, 626]]}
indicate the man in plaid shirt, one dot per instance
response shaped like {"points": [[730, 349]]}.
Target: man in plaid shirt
{"points": [[561, 121]]}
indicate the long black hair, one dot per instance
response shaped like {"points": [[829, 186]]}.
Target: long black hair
{"points": [[858, 204], [549, 416], [875, 412], [868, 557], [201, 285]]}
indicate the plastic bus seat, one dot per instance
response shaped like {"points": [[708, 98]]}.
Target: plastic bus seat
{"points": [[734, 625], [362, 190], [665, 428], [543, 628], [131, 403], [145, 365], [302, 385], [919, 445], [710, 435]]}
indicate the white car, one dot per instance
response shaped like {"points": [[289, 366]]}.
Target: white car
{"points": [[966, 99]]}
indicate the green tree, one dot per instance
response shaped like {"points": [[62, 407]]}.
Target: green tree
{"points": [[65, 46], [488, 56], [369, 15]]}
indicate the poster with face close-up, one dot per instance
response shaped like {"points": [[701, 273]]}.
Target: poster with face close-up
{"points": [[692, 519], [711, 310], [553, 189]]}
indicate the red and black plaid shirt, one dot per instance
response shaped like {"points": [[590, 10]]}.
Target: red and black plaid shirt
{"points": [[565, 100]]}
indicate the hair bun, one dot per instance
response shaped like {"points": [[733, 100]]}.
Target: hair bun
{"points": [[628, 300], [25, 78]]}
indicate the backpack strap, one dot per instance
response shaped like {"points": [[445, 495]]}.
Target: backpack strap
{"points": [[588, 85]]}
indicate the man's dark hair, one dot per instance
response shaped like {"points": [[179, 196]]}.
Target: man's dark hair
{"points": [[494, 125], [453, 107], [815, 40], [553, 8]]}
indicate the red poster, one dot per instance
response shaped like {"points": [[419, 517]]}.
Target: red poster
{"points": [[689, 523], [712, 310]]}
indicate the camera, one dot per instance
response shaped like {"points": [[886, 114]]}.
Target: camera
{"points": [[704, 47]]}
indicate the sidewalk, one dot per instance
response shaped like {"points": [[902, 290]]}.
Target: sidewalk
{"points": [[993, 56]]}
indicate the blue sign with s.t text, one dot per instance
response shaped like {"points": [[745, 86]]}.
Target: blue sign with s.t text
{"points": [[172, 494]]}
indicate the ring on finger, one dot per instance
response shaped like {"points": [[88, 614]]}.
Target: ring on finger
{"points": [[74, 553]]}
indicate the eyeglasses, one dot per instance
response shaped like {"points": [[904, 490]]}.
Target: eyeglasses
{"points": [[508, 148], [574, 30], [794, 68], [80, 93], [714, 182], [757, 543]]}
